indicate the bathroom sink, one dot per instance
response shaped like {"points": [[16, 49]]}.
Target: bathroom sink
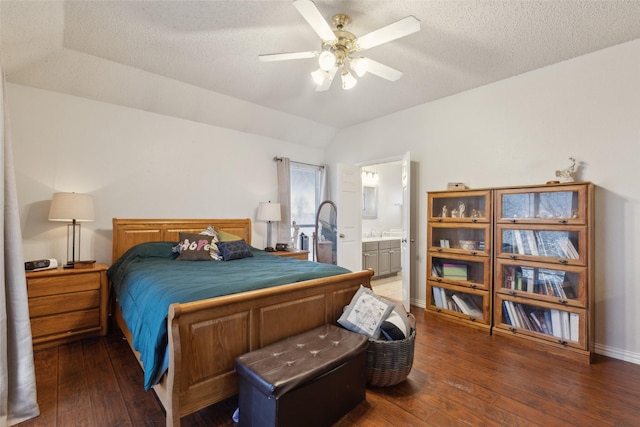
{"points": [[379, 238]]}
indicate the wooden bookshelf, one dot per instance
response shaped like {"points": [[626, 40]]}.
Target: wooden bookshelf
{"points": [[543, 268], [524, 255], [459, 236]]}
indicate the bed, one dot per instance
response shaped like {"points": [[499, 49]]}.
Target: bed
{"points": [[205, 336]]}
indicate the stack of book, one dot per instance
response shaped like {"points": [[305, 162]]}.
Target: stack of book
{"points": [[454, 271]]}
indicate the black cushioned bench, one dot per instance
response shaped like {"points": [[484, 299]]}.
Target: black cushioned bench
{"points": [[312, 379]]}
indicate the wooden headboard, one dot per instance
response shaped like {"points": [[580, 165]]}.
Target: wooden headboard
{"points": [[130, 232]]}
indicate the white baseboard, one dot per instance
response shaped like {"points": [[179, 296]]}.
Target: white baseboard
{"points": [[617, 353], [418, 303]]}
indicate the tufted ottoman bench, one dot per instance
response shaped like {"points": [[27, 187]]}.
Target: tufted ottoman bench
{"points": [[311, 379]]}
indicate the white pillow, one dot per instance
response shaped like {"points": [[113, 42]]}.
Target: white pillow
{"points": [[214, 251], [365, 313]]}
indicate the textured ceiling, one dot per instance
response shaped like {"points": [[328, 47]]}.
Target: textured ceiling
{"points": [[103, 50]]}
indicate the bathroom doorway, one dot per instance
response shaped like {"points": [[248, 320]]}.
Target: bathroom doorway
{"points": [[382, 226]]}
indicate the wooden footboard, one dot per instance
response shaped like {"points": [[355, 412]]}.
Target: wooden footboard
{"points": [[206, 336]]}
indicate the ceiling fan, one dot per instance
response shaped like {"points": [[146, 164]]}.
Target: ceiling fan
{"points": [[340, 49]]}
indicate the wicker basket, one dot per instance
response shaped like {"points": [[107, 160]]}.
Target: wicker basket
{"points": [[389, 362]]}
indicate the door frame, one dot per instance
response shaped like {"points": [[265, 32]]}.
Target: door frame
{"points": [[410, 247]]}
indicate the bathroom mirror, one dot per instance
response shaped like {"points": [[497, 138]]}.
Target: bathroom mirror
{"points": [[369, 202], [326, 233]]}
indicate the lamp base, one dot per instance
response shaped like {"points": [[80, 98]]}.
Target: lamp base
{"points": [[269, 249], [80, 264]]}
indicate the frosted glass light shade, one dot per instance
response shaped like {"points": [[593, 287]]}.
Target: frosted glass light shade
{"points": [[360, 66], [319, 76], [348, 81], [327, 60]]}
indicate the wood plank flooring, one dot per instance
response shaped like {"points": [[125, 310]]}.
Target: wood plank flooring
{"points": [[460, 377]]}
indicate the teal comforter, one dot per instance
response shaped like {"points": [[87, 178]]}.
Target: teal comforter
{"points": [[148, 278]]}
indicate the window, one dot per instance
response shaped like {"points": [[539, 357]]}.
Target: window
{"points": [[306, 190]]}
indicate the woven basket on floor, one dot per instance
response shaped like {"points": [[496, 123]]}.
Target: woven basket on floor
{"points": [[389, 362]]}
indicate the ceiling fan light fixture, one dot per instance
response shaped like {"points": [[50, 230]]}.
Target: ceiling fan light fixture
{"points": [[359, 65], [348, 81], [327, 60], [338, 45], [319, 76]]}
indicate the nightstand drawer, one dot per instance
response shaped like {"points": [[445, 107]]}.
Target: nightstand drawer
{"points": [[66, 305], [63, 303], [65, 323], [53, 285]]}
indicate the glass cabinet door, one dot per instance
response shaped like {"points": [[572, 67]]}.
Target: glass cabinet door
{"points": [[564, 246], [471, 239], [566, 326], [560, 284], [564, 205], [463, 303], [467, 206], [463, 270]]}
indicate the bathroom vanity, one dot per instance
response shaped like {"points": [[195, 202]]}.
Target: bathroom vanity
{"points": [[382, 254]]}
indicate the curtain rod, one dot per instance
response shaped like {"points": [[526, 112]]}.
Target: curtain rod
{"points": [[279, 159]]}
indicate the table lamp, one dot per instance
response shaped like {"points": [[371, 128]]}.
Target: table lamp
{"points": [[72, 208], [269, 212]]}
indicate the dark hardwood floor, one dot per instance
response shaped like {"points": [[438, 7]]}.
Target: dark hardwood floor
{"points": [[460, 377]]}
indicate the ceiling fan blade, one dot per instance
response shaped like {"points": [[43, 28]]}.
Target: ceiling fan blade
{"points": [[394, 31], [271, 57], [327, 82], [312, 15], [383, 71]]}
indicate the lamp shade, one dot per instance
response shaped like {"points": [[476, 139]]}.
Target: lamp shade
{"points": [[268, 211], [71, 206]]}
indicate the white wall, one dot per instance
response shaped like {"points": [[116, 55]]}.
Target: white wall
{"points": [[519, 131], [136, 165]]}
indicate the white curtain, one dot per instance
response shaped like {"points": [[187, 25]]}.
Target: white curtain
{"points": [[324, 185], [284, 198], [18, 400]]}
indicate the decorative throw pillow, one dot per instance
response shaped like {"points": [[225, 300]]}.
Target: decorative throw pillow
{"points": [[209, 231], [396, 326], [235, 249], [227, 237], [194, 247], [213, 250], [365, 313]]}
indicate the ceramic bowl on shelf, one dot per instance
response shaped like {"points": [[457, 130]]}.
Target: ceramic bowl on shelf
{"points": [[468, 245]]}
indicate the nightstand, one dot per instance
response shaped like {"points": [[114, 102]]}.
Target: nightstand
{"points": [[67, 304], [303, 255]]}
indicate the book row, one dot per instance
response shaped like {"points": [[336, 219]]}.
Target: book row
{"points": [[557, 323], [539, 243], [456, 301], [555, 283]]}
